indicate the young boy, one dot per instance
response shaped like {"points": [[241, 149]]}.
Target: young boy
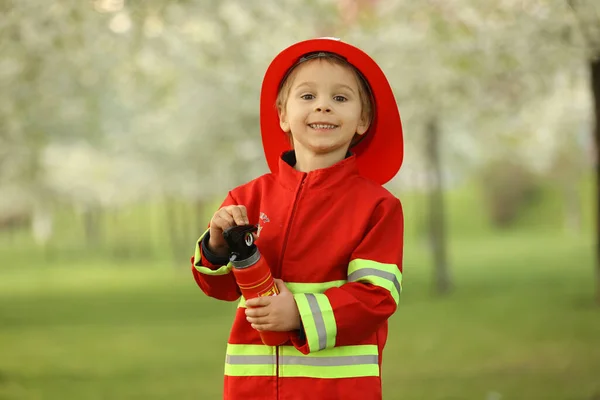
{"points": [[332, 235]]}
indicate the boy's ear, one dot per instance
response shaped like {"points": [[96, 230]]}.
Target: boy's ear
{"points": [[363, 125], [283, 121]]}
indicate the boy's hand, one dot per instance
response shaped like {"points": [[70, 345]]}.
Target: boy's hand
{"points": [[274, 313], [224, 218]]}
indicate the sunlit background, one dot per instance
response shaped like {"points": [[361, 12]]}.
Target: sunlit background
{"points": [[123, 125]]}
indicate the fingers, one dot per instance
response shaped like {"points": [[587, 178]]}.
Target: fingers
{"points": [[258, 316], [281, 286], [281, 314], [265, 327], [223, 219], [257, 312], [230, 216], [259, 321], [259, 301], [272, 327], [239, 214]]}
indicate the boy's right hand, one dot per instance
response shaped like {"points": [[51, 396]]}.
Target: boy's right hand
{"points": [[224, 218]]}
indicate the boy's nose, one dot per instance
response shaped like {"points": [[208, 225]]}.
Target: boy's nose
{"points": [[323, 108]]}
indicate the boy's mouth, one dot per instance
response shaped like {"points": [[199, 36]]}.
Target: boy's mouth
{"points": [[322, 126]]}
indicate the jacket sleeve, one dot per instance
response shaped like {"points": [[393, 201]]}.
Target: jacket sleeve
{"points": [[348, 314], [212, 273]]}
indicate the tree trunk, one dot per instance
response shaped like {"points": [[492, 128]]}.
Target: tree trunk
{"points": [[437, 226], [91, 227], [595, 76]]}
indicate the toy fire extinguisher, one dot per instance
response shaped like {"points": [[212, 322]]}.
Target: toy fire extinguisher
{"points": [[252, 273]]}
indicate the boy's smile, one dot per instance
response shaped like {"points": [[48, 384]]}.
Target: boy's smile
{"points": [[322, 126], [323, 113]]}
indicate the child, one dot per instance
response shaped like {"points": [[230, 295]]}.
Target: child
{"points": [[332, 235]]}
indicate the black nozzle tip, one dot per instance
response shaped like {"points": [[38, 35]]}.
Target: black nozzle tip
{"points": [[240, 240]]}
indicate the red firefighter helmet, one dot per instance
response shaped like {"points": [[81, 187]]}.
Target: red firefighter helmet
{"points": [[380, 153]]}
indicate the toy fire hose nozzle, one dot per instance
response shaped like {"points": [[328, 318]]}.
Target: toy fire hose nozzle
{"points": [[252, 273], [240, 240]]}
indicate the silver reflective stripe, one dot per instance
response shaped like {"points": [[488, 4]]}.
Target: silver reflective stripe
{"points": [[318, 318], [361, 273], [328, 361], [249, 360]]}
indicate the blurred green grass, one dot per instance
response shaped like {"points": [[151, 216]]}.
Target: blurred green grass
{"points": [[520, 324], [116, 320]]}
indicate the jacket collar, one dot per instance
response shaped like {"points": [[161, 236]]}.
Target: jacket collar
{"points": [[318, 179]]}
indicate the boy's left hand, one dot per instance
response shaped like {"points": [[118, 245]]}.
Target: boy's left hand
{"points": [[274, 313]]}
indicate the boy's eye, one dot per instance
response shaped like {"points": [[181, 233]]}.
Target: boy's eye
{"points": [[307, 96], [340, 98]]}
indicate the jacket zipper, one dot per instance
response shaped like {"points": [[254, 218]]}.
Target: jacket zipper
{"points": [[289, 227], [280, 268], [277, 372]]}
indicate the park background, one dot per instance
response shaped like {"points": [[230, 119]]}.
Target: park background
{"points": [[123, 125]]}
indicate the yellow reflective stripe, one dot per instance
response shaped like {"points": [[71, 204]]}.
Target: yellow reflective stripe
{"points": [[356, 350], [328, 341], [384, 283], [250, 370], [224, 270], [337, 362], [331, 372], [297, 287], [318, 320], [249, 350], [250, 360], [308, 322], [387, 276]]}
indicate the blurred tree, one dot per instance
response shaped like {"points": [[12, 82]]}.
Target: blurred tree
{"points": [[402, 29], [508, 188], [476, 71], [587, 14], [437, 220], [567, 111], [125, 103]]}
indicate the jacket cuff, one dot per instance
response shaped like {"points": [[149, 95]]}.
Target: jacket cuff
{"points": [[211, 257], [318, 321], [214, 266]]}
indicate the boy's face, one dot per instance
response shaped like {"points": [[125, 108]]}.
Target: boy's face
{"points": [[323, 109]]}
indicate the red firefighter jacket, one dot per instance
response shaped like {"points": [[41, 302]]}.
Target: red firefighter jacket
{"points": [[336, 239]]}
